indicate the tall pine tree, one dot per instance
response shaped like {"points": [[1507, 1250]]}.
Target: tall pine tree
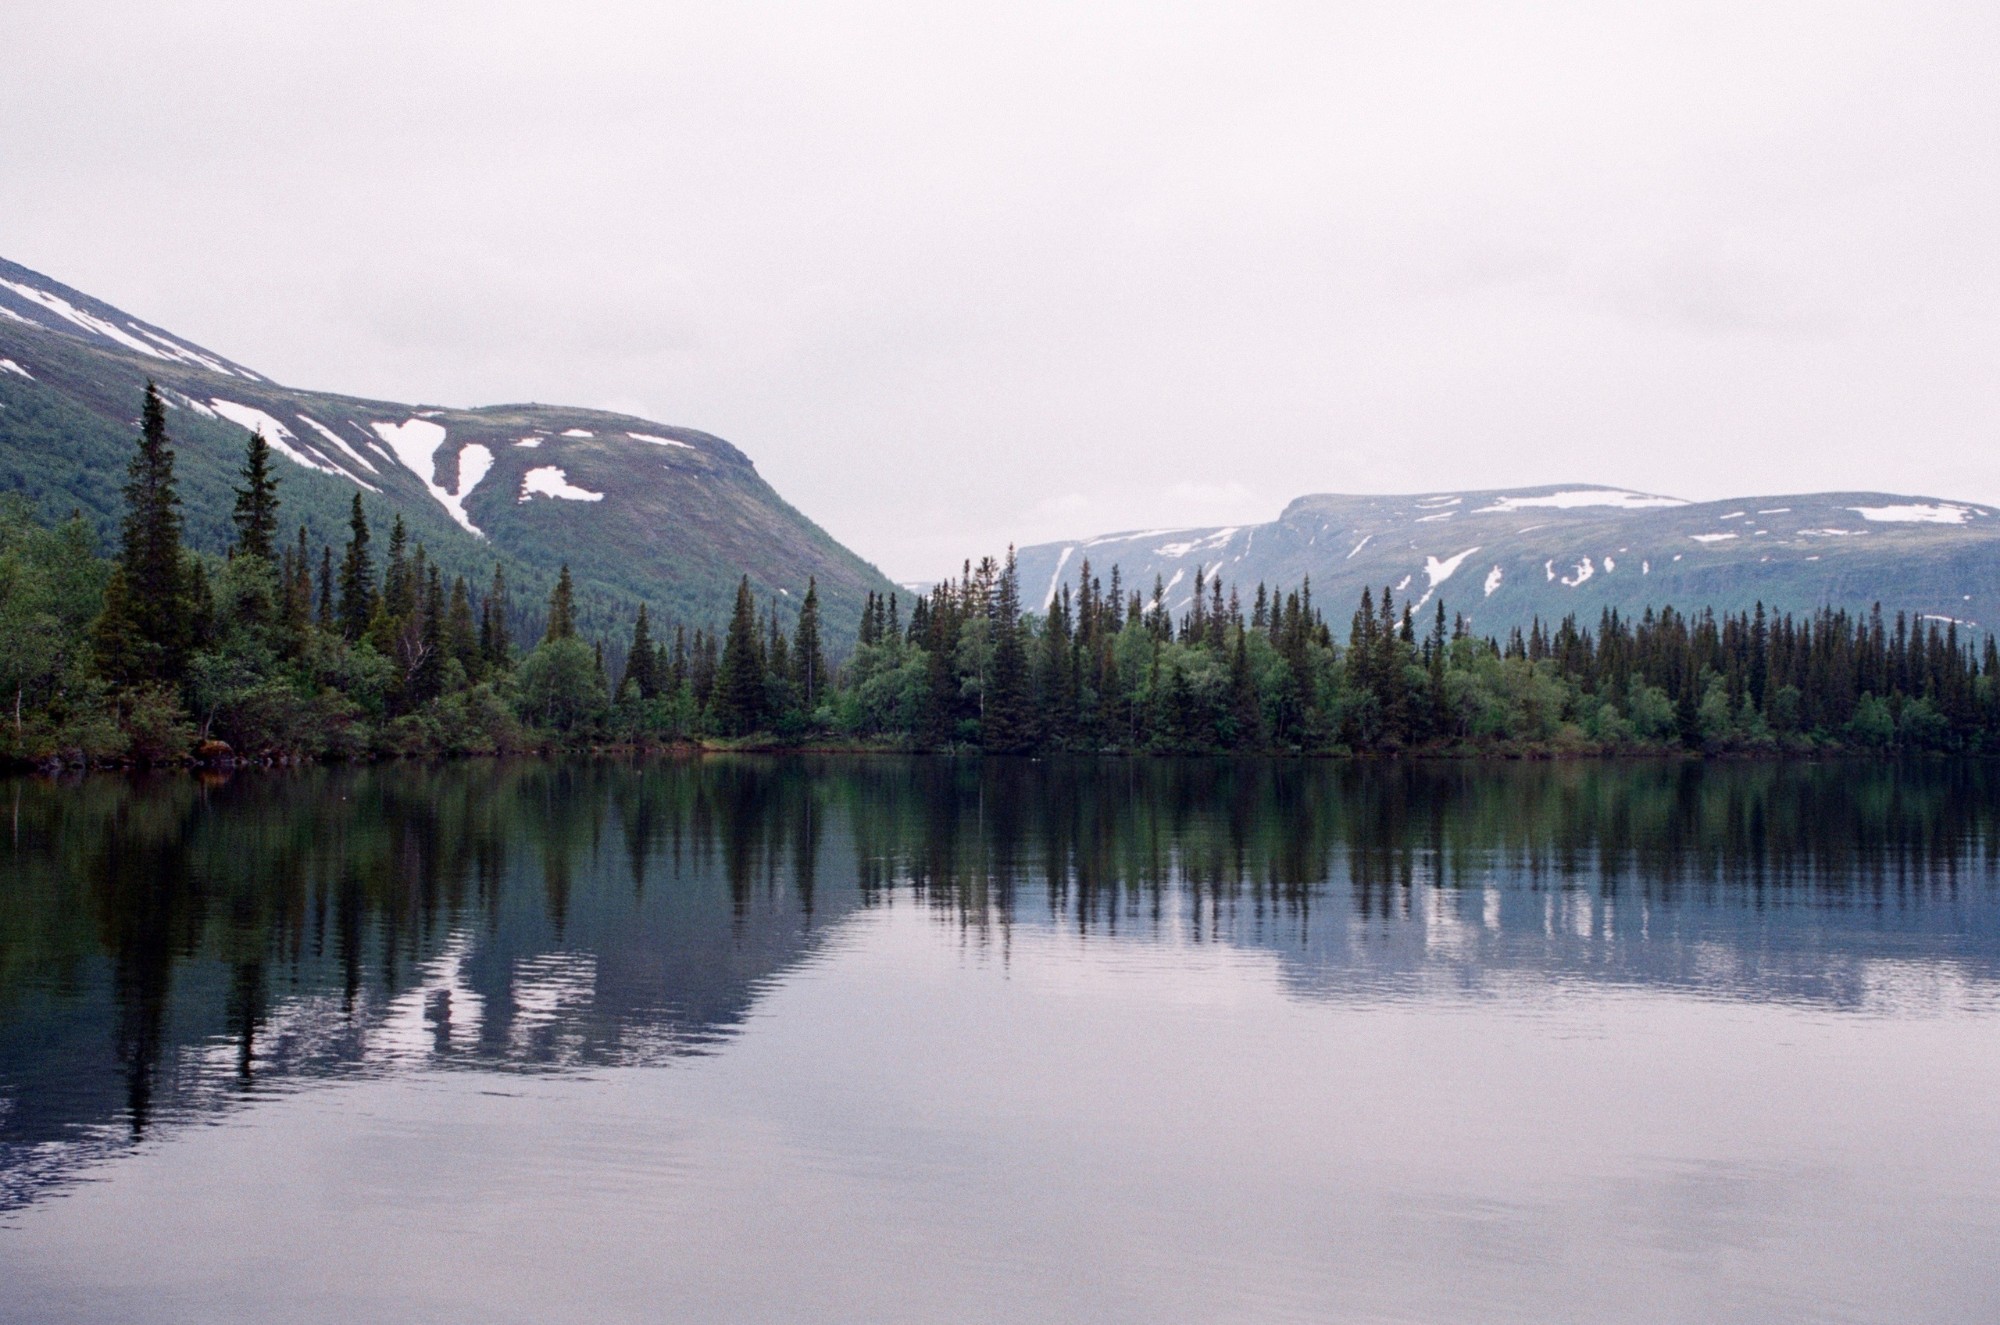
{"points": [[357, 577], [739, 684], [808, 653], [157, 627], [639, 662], [1008, 722], [256, 515], [562, 609]]}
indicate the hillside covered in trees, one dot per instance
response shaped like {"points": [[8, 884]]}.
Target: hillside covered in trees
{"points": [[640, 510], [283, 650]]}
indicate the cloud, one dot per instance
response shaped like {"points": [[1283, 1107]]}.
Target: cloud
{"points": [[929, 266]]}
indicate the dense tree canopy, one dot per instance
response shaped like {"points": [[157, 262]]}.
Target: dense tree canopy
{"points": [[281, 651]]}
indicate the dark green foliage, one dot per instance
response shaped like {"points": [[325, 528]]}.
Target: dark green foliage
{"points": [[156, 599], [640, 660], [1106, 675], [739, 685], [810, 676], [357, 577], [495, 646], [562, 609], [461, 637], [256, 513], [1007, 719], [93, 671]]}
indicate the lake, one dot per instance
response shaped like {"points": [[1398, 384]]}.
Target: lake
{"points": [[845, 1039]]}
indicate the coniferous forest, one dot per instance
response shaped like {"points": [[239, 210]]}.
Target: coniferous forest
{"points": [[155, 653]]}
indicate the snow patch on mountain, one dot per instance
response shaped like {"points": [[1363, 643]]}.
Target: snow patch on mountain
{"points": [[337, 440], [1493, 578], [1575, 497], [176, 350], [1439, 571], [579, 432], [1217, 539], [9, 366], [550, 481], [1940, 513], [530, 442], [1055, 580], [1710, 538], [656, 441], [69, 312], [415, 443], [281, 439], [475, 462], [1584, 570], [1133, 537]]}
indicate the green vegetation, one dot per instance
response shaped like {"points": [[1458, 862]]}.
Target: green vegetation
{"points": [[268, 652], [1109, 671]]}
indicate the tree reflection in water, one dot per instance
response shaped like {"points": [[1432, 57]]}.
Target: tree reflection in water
{"points": [[170, 944]]}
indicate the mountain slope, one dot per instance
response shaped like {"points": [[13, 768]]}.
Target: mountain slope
{"points": [[1503, 558], [641, 511]]}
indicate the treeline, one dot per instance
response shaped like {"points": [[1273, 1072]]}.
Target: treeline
{"points": [[281, 650], [278, 650], [1103, 668]]}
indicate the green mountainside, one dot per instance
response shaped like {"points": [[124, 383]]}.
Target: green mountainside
{"points": [[640, 511], [1504, 558]]}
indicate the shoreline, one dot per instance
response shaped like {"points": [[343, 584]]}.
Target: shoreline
{"points": [[1499, 753]]}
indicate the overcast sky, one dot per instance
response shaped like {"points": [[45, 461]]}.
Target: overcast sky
{"points": [[955, 276]]}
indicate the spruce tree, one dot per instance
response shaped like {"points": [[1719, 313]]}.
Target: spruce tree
{"points": [[1008, 723], [256, 515], [399, 585], [496, 643], [327, 617], [639, 661], [122, 653], [562, 609], [461, 636], [808, 654], [298, 589], [357, 577], [427, 677], [780, 700], [1246, 713], [156, 600], [739, 681]]}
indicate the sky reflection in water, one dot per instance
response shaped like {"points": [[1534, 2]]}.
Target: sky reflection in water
{"points": [[879, 1039]]}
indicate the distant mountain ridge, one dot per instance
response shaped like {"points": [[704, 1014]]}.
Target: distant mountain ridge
{"points": [[1503, 557], [642, 511]]}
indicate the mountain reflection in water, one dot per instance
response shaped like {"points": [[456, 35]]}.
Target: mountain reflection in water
{"points": [[171, 945]]}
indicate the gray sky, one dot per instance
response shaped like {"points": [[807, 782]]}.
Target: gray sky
{"points": [[959, 276]]}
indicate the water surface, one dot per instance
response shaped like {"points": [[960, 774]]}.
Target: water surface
{"points": [[874, 1040]]}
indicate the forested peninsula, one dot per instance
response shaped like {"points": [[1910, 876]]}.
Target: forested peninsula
{"points": [[277, 651]]}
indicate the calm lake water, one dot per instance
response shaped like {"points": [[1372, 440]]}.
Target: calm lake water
{"points": [[884, 1040]]}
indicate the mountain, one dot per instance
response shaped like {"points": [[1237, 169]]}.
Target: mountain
{"points": [[641, 511], [1505, 557]]}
